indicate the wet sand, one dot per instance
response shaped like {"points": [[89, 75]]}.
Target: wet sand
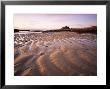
{"points": [[55, 54]]}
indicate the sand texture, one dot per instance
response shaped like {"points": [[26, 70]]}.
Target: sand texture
{"points": [[55, 54]]}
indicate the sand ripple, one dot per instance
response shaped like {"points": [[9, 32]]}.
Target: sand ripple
{"points": [[55, 54]]}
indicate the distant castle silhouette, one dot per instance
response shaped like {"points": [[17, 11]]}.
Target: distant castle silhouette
{"points": [[65, 27]]}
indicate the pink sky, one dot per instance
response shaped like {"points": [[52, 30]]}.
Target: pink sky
{"points": [[53, 21]]}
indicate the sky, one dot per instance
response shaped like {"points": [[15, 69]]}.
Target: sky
{"points": [[53, 21]]}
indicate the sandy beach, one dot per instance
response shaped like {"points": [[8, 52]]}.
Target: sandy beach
{"points": [[55, 54]]}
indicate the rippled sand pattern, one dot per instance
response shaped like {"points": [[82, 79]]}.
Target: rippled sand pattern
{"points": [[55, 54]]}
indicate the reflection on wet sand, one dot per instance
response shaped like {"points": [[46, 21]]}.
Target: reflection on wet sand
{"points": [[55, 54]]}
